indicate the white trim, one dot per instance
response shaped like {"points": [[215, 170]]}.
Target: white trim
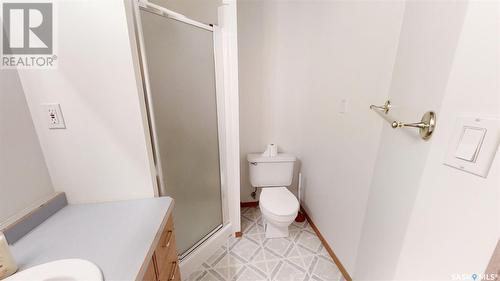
{"points": [[151, 7], [221, 120], [193, 261], [228, 24]]}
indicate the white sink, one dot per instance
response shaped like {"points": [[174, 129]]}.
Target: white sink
{"points": [[61, 270]]}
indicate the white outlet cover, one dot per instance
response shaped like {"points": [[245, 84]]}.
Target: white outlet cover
{"points": [[54, 116], [485, 154]]}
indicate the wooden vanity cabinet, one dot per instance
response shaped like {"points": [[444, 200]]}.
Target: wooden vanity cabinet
{"points": [[164, 265], [150, 274]]}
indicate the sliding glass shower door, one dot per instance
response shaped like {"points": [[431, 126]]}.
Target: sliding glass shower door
{"points": [[181, 68]]}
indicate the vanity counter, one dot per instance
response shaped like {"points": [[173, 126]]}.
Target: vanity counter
{"points": [[119, 237]]}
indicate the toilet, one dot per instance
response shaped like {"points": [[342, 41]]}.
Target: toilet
{"points": [[277, 204]]}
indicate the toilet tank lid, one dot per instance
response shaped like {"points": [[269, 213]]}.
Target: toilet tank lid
{"points": [[281, 157]]}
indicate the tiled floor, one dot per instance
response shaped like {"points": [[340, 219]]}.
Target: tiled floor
{"points": [[252, 257]]}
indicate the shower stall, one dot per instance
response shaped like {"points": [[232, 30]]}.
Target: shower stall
{"points": [[181, 75]]}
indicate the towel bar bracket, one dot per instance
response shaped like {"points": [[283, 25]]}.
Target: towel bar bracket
{"points": [[426, 126], [384, 108]]}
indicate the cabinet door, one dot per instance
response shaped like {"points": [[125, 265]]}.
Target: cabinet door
{"points": [[150, 274], [168, 266], [166, 241], [166, 255]]}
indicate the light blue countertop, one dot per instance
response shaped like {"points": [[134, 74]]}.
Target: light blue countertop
{"points": [[119, 237]]}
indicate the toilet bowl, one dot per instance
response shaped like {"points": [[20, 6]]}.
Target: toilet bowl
{"points": [[279, 208]]}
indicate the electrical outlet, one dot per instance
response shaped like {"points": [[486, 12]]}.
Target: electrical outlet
{"points": [[54, 116]]}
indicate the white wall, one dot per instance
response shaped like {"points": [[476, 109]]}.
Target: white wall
{"points": [[298, 60], [455, 222], [24, 178], [102, 155], [420, 221]]}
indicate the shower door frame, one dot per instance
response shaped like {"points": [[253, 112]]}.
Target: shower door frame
{"points": [[220, 104]]}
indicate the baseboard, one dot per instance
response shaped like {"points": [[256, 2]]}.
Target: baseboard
{"points": [[249, 204], [329, 249]]}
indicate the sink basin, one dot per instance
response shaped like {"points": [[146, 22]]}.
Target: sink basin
{"points": [[60, 270]]}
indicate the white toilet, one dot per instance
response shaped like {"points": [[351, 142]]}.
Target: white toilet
{"points": [[277, 204]]}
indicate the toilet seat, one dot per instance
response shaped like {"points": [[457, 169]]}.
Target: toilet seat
{"points": [[278, 203]]}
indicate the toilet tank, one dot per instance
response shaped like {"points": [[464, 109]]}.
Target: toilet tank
{"points": [[270, 171]]}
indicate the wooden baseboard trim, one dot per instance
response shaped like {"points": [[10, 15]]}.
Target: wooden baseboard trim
{"points": [[238, 234], [329, 249], [249, 204]]}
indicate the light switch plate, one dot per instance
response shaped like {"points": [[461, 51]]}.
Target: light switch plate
{"points": [[473, 145], [470, 143]]}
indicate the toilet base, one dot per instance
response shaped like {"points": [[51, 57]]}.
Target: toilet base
{"points": [[273, 231]]}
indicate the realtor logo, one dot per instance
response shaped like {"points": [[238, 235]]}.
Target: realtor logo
{"points": [[28, 35]]}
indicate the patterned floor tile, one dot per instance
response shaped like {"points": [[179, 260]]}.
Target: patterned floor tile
{"points": [[326, 270], [288, 271], [253, 257]]}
